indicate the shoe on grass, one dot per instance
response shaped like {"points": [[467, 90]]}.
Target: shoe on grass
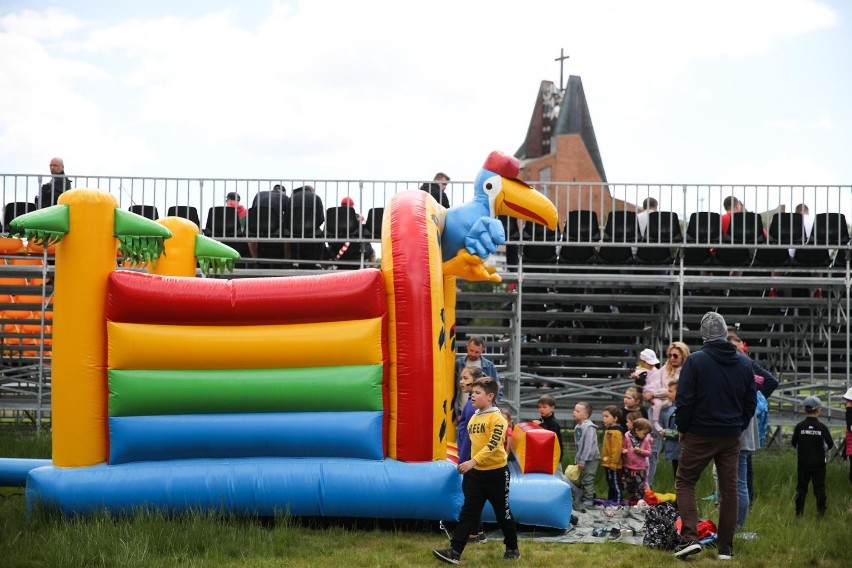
{"points": [[511, 554], [447, 555], [726, 555], [687, 549], [479, 537]]}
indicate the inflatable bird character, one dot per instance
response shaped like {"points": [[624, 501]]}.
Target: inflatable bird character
{"points": [[472, 232]]}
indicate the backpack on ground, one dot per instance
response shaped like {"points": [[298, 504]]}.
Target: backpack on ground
{"points": [[660, 528]]}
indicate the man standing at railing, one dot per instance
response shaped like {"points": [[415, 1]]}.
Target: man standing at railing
{"points": [[58, 184], [438, 188]]}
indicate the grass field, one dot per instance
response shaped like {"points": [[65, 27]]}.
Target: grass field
{"points": [[152, 540]]}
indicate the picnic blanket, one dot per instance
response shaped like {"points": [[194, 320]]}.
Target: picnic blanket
{"points": [[595, 520]]}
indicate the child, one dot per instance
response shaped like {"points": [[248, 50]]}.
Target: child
{"points": [[588, 455], [634, 456], [546, 408], [632, 403], [613, 439], [631, 418], [653, 390], [671, 436], [486, 477], [811, 439], [848, 447], [466, 378]]}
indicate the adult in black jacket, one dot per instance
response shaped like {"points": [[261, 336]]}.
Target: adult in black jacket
{"points": [[437, 187], [716, 399], [276, 199], [58, 184]]}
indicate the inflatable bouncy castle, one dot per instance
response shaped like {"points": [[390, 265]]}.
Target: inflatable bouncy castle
{"points": [[313, 395]]}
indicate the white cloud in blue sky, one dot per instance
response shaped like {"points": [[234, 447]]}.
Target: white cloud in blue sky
{"points": [[705, 91]]}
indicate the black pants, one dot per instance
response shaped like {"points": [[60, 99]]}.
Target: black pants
{"points": [[817, 476], [613, 483], [478, 487]]}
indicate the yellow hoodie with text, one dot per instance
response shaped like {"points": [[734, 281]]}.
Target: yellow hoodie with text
{"points": [[487, 430]]}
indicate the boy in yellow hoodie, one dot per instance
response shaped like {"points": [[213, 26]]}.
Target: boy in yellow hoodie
{"points": [[486, 476], [613, 439]]}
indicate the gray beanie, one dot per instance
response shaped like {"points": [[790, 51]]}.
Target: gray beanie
{"points": [[713, 327]]}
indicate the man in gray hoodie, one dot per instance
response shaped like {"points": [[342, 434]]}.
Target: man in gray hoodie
{"points": [[716, 399]]}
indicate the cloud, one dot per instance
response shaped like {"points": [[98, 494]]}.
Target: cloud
{"points": [[329, 89], [781, 169]]}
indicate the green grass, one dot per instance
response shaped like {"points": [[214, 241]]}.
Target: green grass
{"points": [[151, 539]]}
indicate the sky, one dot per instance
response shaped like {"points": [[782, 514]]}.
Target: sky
{"points": [[721, 91]]}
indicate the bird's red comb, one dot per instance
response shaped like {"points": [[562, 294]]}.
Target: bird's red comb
{"points": [[503, 164]]}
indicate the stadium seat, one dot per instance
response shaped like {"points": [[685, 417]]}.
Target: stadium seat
{"points": [[222, 222], [513, 233], [621, 227], [746, 229], [342, 222], [539, 244], [705, 228], [16, 209], [663, 228], [581, 227], [784, 229], [829, 230], [373, 224], [147, 211], [185, 212], [264, 222]]}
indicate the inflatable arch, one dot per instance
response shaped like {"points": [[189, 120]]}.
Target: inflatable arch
{"points": [[313, 395]]}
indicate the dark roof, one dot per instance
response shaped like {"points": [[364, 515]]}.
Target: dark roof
{"points": [[574, 118]]}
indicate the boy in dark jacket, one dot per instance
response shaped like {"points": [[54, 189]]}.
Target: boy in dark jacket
{"points": [[547, 410], [811, 439]]}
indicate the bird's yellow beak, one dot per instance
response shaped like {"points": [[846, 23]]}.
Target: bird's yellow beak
{"points": [[519, 200]]}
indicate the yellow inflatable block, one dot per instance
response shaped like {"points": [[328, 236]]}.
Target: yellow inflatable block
{"points": [[144, 346]]}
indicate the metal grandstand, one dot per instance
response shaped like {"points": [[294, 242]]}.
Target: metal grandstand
{"points": [[576, 305]]}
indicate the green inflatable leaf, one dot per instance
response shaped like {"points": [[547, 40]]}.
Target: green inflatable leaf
{"points": [[44, 227], [213, 256], [140, 240]]}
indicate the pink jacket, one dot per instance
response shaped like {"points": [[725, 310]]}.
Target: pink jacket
{"points": [[632, 460]]}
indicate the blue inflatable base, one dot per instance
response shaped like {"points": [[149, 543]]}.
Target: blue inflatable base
{"points": [[13, 471], [329, 487], [536, 499]]}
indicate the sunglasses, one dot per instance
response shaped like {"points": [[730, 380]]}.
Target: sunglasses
{"points": [[674, 355]]}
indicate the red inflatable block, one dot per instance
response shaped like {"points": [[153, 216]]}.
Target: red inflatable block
{"points": [[535, 447]]}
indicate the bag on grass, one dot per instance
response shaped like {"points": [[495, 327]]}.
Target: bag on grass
{"points": [[660, 529]]}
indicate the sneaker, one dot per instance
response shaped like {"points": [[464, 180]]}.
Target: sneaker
{"points": [[479, 537], [687, 549], [447, 555], [511, 554], [726, 555]]}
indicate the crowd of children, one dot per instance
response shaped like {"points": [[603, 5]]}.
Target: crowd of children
{"points": [[630, 437]]}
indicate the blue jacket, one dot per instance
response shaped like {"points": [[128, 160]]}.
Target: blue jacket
{"points": [[462, 436], [716, 393]]}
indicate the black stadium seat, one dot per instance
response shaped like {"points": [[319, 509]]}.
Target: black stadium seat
{"points": [[704, 228], [581, 227], [621, 227], [147, 211], [16, 209], [663, 228], [185, 212]]}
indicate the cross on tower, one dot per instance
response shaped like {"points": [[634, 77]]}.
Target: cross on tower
{"points": [[561, 59]]}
